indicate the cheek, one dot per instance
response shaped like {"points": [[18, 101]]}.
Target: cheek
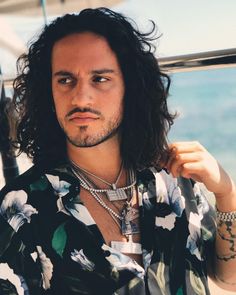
{"points": [[61, 108], [122, 103], [58, 97], [61, 102], [118, 109]]}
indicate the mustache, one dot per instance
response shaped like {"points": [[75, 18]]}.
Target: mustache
{"points": [[83, 110]]}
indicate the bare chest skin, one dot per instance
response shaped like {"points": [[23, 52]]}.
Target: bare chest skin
{"points": [[106, 224]]}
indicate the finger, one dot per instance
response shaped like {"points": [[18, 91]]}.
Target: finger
{"points": [[175, 166], [172, 156], [183, 147], [192, 170], [187, 146]]}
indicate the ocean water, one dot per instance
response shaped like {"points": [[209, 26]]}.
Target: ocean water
{"points": [[206, 103]]}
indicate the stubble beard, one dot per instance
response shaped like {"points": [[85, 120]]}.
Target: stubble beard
{"points": [[83, 140]]}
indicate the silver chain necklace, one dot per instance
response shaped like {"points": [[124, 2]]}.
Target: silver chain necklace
{"points": [[128, 214], [113, 194], [95, 195], [112, 185]]}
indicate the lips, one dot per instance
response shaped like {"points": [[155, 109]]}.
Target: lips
{"points": [[83, 117]]}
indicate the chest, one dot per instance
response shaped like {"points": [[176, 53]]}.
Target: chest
{"points": [[107, 223]]}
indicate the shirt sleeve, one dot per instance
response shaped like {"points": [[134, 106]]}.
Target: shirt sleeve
{"points": [[15, 261], [11, 258], [206, 211]]}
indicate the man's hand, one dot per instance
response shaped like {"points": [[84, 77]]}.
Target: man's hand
{"points": [[192, 160]]}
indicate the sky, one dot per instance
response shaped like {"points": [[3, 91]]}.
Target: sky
{"points": [[185, 26]]}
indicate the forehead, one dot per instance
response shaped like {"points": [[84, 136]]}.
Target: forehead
{"points": [[84, 48]]}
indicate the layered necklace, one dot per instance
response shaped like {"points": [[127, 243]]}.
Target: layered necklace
{"points": [[126, 219], [114, 193]]}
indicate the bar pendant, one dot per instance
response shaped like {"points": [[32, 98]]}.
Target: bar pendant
{"points": [[116, 195], [127, 247]]}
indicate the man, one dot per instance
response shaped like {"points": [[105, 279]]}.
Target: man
{"points": [[109, 207]]}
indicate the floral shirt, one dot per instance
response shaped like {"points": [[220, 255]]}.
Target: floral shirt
{"points": [[50, 244]]}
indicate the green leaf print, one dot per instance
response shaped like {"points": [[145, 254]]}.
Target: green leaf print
{"points": [[180, 291], [39, 185], [59, 239]]}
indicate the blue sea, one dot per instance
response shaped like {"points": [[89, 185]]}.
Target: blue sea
{"points": [[206, 104]]}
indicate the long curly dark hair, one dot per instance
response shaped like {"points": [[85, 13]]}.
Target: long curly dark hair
{"points": [[146, 119]]}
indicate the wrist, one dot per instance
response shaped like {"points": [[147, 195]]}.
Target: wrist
{"points": [[225, 216], [226, 202]]}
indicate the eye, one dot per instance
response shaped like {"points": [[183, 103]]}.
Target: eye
{"points": [[65, 80], [100, 79]]}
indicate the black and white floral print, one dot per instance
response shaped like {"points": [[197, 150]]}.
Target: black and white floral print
{"points": [[49, 241], [15, 209]]}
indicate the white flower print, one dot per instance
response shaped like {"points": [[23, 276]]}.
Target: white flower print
{"points": [[170, 193], [6, 273], [61, 207], [121, 261], [195, 285], [47, 267], [81, 213], [195, 232], [61, 188], [203, 205], [177, 201], [147, 257], [167, 222], [15, 209], [81, 258], [34, 256]]}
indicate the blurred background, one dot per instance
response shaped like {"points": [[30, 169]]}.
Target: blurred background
{"points": [[197, 47]]}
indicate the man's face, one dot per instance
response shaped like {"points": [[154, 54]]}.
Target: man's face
{"points": [[88, 89]]}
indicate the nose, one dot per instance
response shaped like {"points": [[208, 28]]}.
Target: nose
{"points": [[82, 94]]}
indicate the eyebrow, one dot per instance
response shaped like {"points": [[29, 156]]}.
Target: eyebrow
{"points": [[102, 71], [63, 73], [96, 72]]}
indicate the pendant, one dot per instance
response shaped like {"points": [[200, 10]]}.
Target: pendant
{"points": [[127, 247], [116, 195], [130, 213], [128, 227]]}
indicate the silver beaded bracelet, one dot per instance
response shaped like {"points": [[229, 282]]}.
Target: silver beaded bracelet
{"points": [[225, 216]]}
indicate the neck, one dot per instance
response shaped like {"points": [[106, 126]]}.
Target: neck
{"points": [[103, 160]]}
